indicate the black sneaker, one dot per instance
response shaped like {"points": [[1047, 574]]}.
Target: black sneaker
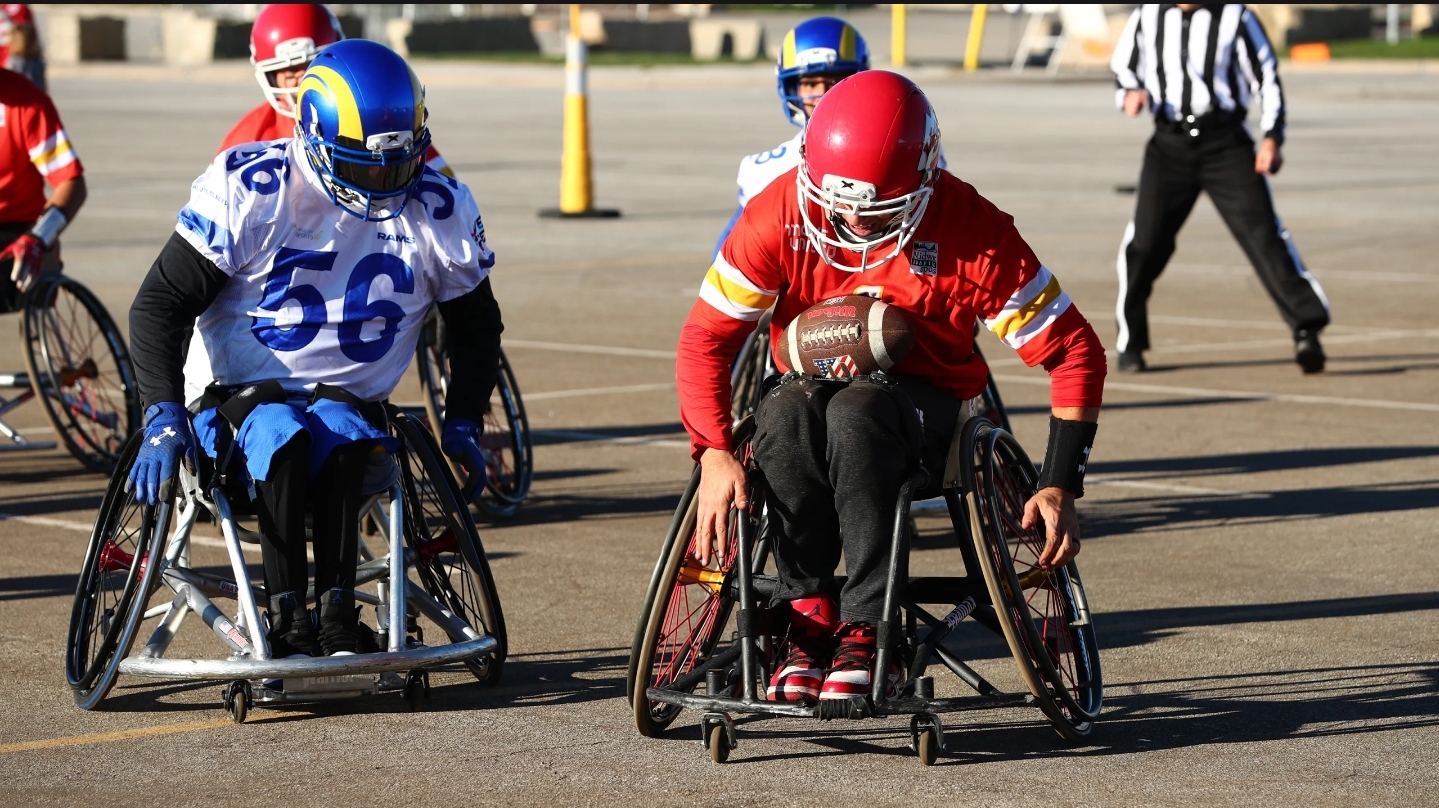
{"points": [[1132, 362], [342, 633], [1308, 354], [291, 632]]}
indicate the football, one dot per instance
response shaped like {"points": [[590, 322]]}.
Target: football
{"points": [[844, 337]]}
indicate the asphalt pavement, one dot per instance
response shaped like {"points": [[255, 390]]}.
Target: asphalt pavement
{"points": [[1260, 547]]}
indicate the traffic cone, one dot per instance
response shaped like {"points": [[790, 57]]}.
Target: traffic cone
{"points": [[576, 183]]}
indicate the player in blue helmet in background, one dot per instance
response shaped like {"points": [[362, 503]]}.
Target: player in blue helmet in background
{"points": [[304, 268], [814, 56]]}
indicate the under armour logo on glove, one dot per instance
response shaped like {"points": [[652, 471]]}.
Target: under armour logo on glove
{"points": [[168, 438]]}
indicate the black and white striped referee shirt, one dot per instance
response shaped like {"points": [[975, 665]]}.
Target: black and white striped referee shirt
{"points": [[1214, 58]]}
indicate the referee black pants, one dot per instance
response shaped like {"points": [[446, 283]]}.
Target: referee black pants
{"points": [[1219, 162]]}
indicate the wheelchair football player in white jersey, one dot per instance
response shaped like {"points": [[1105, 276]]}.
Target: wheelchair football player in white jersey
{"points": [[304, 268]]}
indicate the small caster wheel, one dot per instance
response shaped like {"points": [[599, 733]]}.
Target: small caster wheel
{"points": [[237, 700], [417, 689], [718, 743], [928, 746]]}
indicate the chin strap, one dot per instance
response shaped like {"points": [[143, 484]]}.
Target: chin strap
{"points": [[48, 227]]}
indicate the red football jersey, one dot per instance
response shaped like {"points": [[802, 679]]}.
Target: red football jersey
{"points": [[266, 123], [11, 15], [34, 149], [966, 261]]}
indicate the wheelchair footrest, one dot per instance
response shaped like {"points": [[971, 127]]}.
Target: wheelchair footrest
{"points": [[246, 668], [852, 708]]}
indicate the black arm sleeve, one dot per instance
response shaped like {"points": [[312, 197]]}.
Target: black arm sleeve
{"points": [[181, 285], [472, 340]]}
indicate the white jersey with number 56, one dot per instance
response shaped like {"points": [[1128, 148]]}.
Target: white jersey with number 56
{"points": [[315, 294]]}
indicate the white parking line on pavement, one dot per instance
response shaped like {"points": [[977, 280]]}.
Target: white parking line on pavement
{"points": [[1174, 487], [1246, 395], [598, 437], [571, 347], [600, 391], [82, 527]]}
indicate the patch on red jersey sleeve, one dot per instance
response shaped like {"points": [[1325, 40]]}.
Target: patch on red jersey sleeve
{"points": [[1030, 310]]}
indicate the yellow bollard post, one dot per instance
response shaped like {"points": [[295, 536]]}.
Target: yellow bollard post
{"points": [[576, 184], [976, 37], [896, 35]]}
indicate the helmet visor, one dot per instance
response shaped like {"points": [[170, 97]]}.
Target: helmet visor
{"points": [[381, 173]]}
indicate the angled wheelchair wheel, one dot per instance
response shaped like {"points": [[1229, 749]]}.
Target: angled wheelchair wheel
{"points": [[109, 604], [992, 404], [750, 369], [685, 610], [507, 429], [80, 370], [449, 558], [1045, 614]]}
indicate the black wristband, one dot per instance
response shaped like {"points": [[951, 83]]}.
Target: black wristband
{"points": [[1067, 455]]}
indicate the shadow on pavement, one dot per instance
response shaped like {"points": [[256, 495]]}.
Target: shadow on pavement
{"points": [[1119, 517], [1254, 462]]}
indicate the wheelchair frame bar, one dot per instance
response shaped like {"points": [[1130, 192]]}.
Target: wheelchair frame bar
{"points": [[901, 706], [249, 613], [250, 652], [242, 668]]}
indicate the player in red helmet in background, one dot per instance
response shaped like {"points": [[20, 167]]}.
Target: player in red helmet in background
{"points": [[34, 151], [868, 211], [283, 41]]}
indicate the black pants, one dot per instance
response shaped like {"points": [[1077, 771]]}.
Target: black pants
{"points": [[1219, 162], [336, 499], [834, 456]]}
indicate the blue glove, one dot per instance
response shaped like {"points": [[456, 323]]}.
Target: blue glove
{"points": [[461, 441], [167, 436]]}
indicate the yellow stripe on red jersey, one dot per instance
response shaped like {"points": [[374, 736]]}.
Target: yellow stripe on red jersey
{"points": [[729, 292], [1030, 310], [52, 153]]}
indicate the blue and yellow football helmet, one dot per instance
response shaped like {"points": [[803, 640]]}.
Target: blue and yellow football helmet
{"points": [[826, 45], [361, 113]]}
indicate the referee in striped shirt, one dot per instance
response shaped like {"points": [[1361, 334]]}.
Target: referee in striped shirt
{"points": [[1197, 68]]}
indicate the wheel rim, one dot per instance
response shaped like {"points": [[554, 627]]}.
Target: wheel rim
{"points": [[440, 561], [1055, 635], [506, 441], [82, 372], [107, 586]]}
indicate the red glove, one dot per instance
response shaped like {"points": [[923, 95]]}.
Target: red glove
{"points": [[28, 254]]}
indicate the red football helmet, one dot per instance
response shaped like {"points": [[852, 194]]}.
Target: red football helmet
{"points": [[871, 150], [289, 35]]}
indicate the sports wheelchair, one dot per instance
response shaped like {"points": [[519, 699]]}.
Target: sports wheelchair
{"points": [[506, 439], [1043, 616], [77, 366], [431, 580]]}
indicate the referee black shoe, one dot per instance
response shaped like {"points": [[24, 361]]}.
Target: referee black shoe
{"points": [[1132, 362], [1307, 352]]}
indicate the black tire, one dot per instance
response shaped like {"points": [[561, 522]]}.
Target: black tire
{"points": [[1044, 615], [80, 370], [751, 368], [449, 557], [668, 646], [108, 606], [507, 427]]}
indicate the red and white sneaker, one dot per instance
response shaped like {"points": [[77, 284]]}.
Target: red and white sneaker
{"points": [[853, 659], [807, 650]]}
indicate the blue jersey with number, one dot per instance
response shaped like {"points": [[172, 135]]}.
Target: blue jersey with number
{"points": [[315, 294]]}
